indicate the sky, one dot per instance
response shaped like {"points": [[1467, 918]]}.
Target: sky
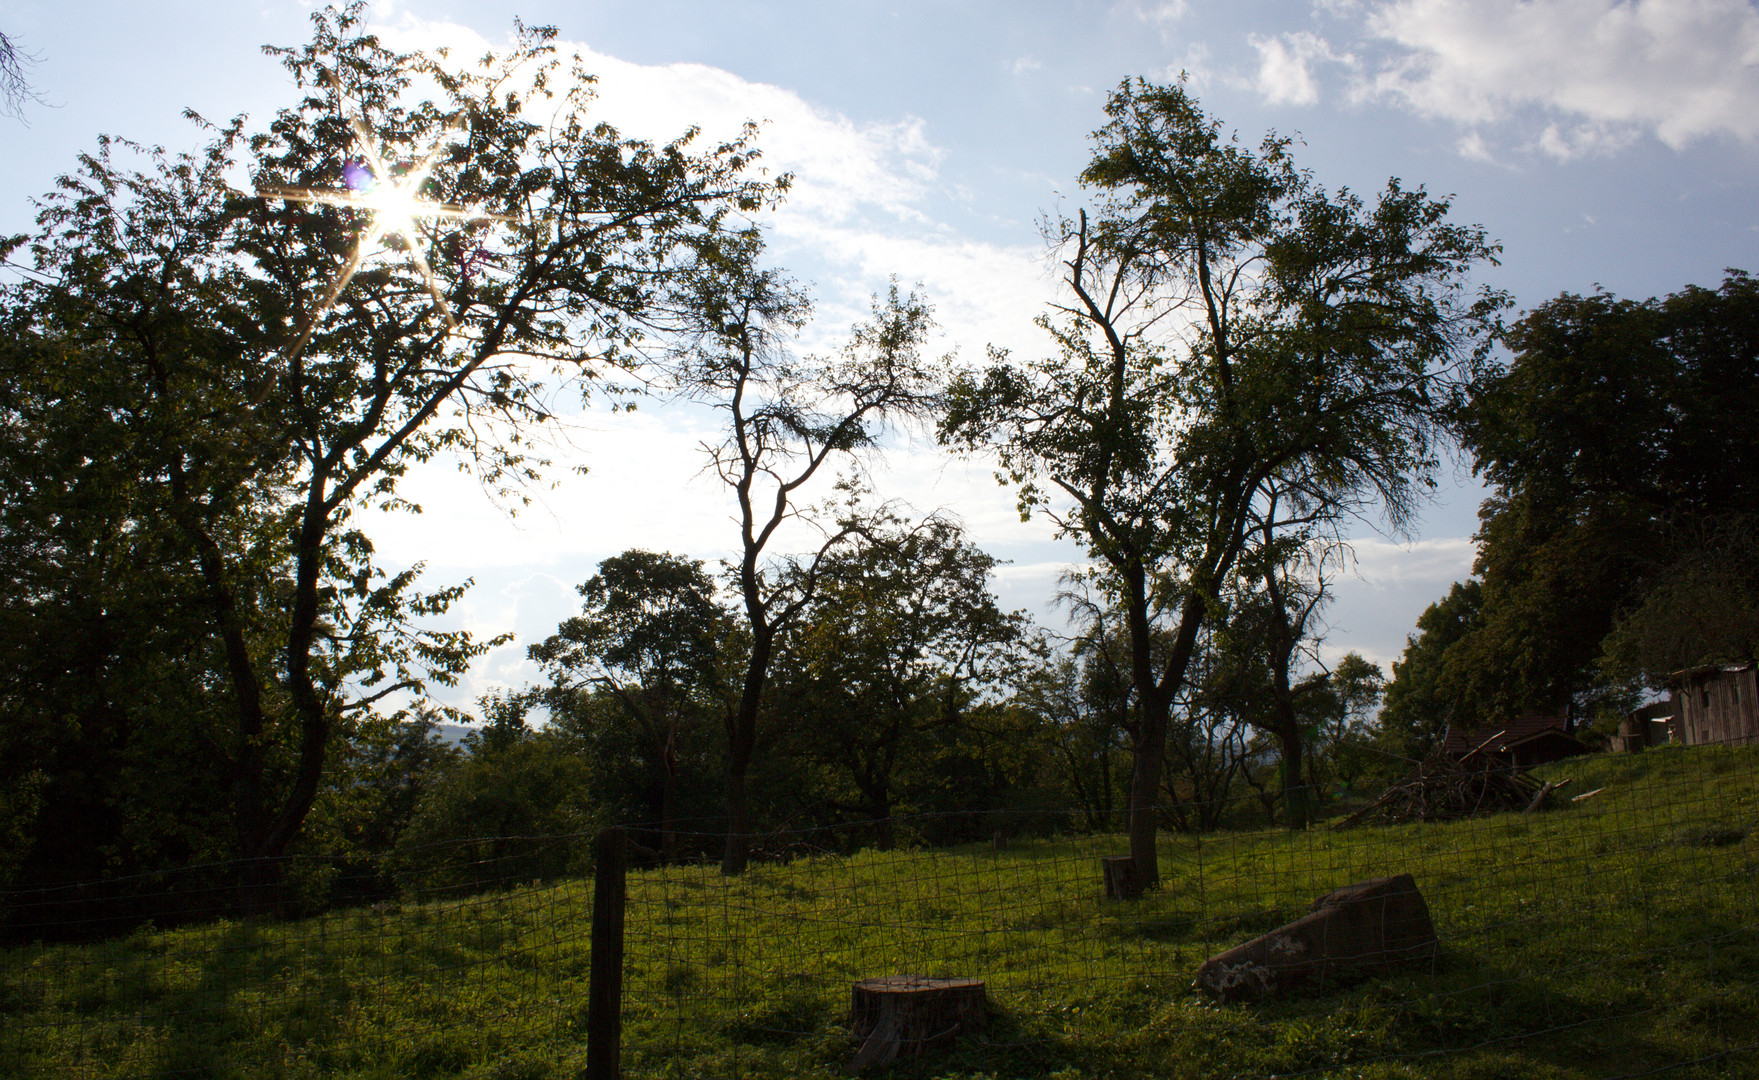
{"points": [[1604, 145]]}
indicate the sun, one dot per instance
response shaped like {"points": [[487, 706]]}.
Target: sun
{"points": [[392, 198]]}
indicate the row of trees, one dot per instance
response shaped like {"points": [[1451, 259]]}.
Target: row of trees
{"points": [[901, 697], [203, 387]]}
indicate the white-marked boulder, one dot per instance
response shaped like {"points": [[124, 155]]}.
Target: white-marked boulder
{"points": [[1375, 926]]}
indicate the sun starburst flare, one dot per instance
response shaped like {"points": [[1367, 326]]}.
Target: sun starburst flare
{"points": [[394, 204]]}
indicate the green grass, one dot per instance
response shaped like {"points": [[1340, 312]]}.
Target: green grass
{"points": [[1603, 937]]}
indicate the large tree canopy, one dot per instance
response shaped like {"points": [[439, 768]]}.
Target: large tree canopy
{"points": [[204, 386], [1425, 694], [1623, 453], [1228, 324], [650, 637], [902, 640]]}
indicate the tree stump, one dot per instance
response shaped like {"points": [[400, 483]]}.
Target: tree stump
{"points": [[910, 1014], [1121, 882]]}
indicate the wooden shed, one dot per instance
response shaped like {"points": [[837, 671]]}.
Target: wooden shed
{"points": [[1717, 704], [1649, 725], [1530, 740]]}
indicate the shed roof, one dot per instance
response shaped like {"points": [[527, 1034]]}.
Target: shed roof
{"points": [[1501, 738], [1686, 675]]}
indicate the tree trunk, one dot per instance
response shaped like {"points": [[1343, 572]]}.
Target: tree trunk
{"points": [[737, 853], [1149, 753], [884, 834], [1144, 791], [1119, 873], [308, 704], [1155, 694], [741, 742], [250, 813], [1297, 797], [258, 888]]}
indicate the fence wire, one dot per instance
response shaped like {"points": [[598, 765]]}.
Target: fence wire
{"points": [[1612, 935]]}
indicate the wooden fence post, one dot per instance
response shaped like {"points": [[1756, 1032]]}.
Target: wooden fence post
{"points": [[604, 994]]}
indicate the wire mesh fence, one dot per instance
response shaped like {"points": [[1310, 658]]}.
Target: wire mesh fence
{"points": [[1611, 933]]}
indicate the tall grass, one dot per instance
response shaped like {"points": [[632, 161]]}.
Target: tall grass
{"points": [[1603, 937]]}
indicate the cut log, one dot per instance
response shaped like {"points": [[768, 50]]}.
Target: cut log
{"points": [[1121, 882], [1374, 925], [1539, 798], [910, 1014]]}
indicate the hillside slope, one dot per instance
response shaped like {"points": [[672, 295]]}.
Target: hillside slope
{"points": [[1610, 936]]}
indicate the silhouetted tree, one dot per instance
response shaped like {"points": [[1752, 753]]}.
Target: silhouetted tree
{"points": [[225, 382], [1227, 322], [786, 418]]}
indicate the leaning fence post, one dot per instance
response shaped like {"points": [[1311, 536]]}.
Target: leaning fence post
{"points": [[604, 994]]}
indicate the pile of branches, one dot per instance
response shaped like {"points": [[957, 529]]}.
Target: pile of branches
{"points": [[1444, 789]]}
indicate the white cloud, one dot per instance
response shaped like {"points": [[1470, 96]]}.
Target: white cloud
{"points": [[1161, 15], [1285, 75], [844, 168], [1025, 64], [1471, 145], [1378, 601], [1604, 70], [1195, 66], [1584, 140], [1383, 565], [860, 209]]}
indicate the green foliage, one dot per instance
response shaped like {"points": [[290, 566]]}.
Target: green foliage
{"points": [[1700, 607], [1428, 688], [381, 768], [890, 665], [1347, 732], [518, 809], [1622, 459], [1079, 731], [636, 678]]}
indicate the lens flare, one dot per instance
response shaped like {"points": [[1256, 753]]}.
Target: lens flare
{"points": [[391, 197], [356, 176]]}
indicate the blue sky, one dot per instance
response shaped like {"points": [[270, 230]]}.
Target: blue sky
{"points": [[1611, 144]]}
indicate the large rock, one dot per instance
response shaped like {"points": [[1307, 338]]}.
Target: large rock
{"points": [[1375, 925]]}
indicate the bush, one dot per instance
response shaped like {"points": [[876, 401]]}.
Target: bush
{"points": [[509, 814]]}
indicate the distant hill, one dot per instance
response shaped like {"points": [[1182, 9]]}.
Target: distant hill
{"points": [[453, 734]]}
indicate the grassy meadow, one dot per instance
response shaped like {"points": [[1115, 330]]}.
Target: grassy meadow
{"points": [[1617, 935]]}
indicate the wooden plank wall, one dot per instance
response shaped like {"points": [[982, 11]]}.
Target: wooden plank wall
{"points": [[1719, 707]]}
